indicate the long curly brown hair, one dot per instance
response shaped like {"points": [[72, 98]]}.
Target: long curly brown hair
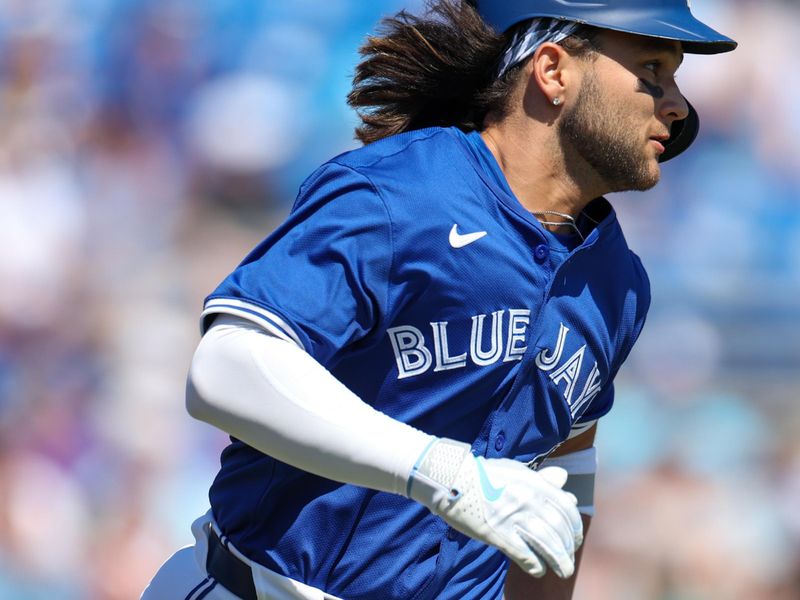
{"points": [[435, 69]]}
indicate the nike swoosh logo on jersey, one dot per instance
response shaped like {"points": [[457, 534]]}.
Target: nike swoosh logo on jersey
{"points": [[459, 240], [492, 493]]}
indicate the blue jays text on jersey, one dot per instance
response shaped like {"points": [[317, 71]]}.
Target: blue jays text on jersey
{"points": [[409, 270], [414, 358]]}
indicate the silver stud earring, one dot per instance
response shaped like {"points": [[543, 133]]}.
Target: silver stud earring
{"points": [[556, 101]]}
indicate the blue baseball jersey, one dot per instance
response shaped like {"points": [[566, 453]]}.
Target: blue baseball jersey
{"points": [[409, 270]]}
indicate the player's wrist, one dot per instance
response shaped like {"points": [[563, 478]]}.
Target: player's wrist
{"points": [[432, 478]]}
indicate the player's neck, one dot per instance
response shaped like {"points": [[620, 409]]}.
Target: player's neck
{"points": [[537, 168]]}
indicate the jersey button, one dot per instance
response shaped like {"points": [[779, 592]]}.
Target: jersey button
{"points": [[541, 252], [500, 441]]}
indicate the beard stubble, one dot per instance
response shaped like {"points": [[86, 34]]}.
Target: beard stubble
{"points": [[604, 136]]}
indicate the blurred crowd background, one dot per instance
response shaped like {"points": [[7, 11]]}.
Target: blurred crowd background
{"points": [[146, 146]]}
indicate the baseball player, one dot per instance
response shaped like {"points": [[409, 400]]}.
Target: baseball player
{"points": [[412, 366]]}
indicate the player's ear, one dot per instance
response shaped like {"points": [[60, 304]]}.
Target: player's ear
{"points": [[548, 69]]}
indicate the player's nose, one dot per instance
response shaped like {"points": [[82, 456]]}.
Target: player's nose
{"points": [[674, 106]]}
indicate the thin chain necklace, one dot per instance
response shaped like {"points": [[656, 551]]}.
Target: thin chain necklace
{"points": [[569, 220]]}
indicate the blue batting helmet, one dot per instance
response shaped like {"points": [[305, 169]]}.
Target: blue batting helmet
{"points": [[666, 19]]}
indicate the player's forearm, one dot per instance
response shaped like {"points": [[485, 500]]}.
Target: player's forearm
{"points": [[578, 457], [276, 398], [521, 586]]}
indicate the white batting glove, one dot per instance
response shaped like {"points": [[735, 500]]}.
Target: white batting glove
{"points": [[502, 502]]}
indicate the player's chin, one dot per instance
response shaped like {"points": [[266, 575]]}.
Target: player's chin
{"points": [[653, 174], [647, 176], [654, 165]]}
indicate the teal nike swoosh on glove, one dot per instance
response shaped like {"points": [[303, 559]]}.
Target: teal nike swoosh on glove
{"points": [[489, 491]]}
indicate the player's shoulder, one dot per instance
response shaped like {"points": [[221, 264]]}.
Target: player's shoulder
{"points": [[395, 151], [402, 169], [609, 233], [612, 254], [630, 261], [633, 283], [415, 163]]}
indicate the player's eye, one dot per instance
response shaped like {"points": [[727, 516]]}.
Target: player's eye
{"points": [[654, 66]]}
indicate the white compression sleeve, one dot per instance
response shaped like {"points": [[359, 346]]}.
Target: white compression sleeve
{"points": [[275, 397]]}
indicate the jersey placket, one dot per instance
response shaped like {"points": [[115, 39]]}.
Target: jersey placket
{"points": [[498, 442]]}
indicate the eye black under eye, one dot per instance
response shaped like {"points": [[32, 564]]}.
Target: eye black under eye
{"points": [[656, 91]]}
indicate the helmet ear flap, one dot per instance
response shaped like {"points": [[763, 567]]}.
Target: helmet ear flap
{"points": [[682, 135]]}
